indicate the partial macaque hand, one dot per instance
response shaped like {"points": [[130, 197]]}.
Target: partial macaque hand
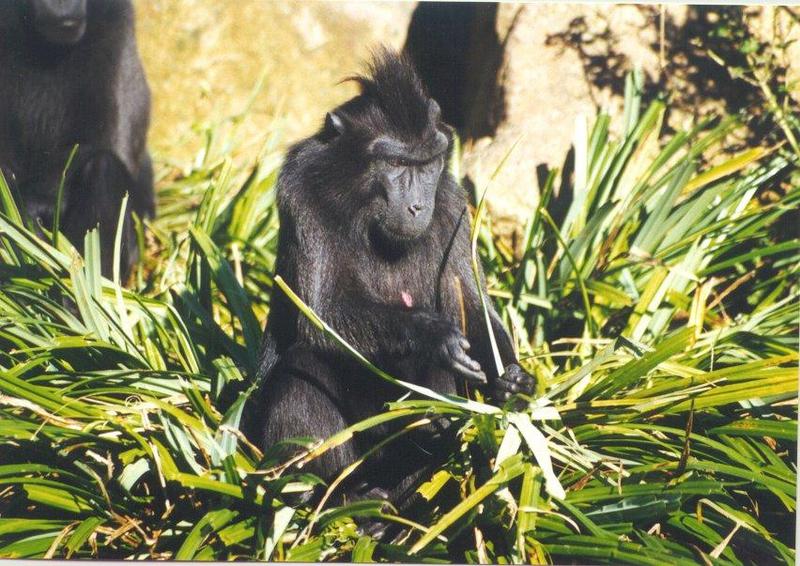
{"points": [[452, 354], [514, 380]]}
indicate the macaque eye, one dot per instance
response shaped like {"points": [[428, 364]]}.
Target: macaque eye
{"points": [[398, 162]]}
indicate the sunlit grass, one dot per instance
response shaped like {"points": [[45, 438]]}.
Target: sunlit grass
{"points": [[657, 309]]}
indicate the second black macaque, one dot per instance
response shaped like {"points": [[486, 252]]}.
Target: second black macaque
{"points": [[70, 75], [375, 238]]}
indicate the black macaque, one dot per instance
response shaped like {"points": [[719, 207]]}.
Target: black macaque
{"points": [[70, 74], [374, 236]]}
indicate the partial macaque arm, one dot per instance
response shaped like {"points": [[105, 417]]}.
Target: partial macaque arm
{"points": [[385, 332], [512, 379]]}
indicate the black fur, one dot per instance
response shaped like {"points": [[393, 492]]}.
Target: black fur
{"points": [[394, 298], [69, 79]]}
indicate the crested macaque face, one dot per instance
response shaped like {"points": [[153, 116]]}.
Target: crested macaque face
{"points": [[406, 179], [401, 176]]}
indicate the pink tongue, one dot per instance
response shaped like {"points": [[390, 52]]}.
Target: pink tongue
{"points": [[408, 301]]}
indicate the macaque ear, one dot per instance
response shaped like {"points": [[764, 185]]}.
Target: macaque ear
{"points": [[334, 124]]}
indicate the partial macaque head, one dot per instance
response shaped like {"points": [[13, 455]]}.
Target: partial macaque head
{"points": [[393, 136], [59, 22]]}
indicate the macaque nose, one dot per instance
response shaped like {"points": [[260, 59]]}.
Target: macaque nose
{"points": [[415, 209]]}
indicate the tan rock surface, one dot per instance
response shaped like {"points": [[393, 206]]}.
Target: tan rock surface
{"points": [[769, 23], [557, 65], [203, 59]]}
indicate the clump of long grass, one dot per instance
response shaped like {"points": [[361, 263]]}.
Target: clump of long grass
{"points": [[654, 298]]}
